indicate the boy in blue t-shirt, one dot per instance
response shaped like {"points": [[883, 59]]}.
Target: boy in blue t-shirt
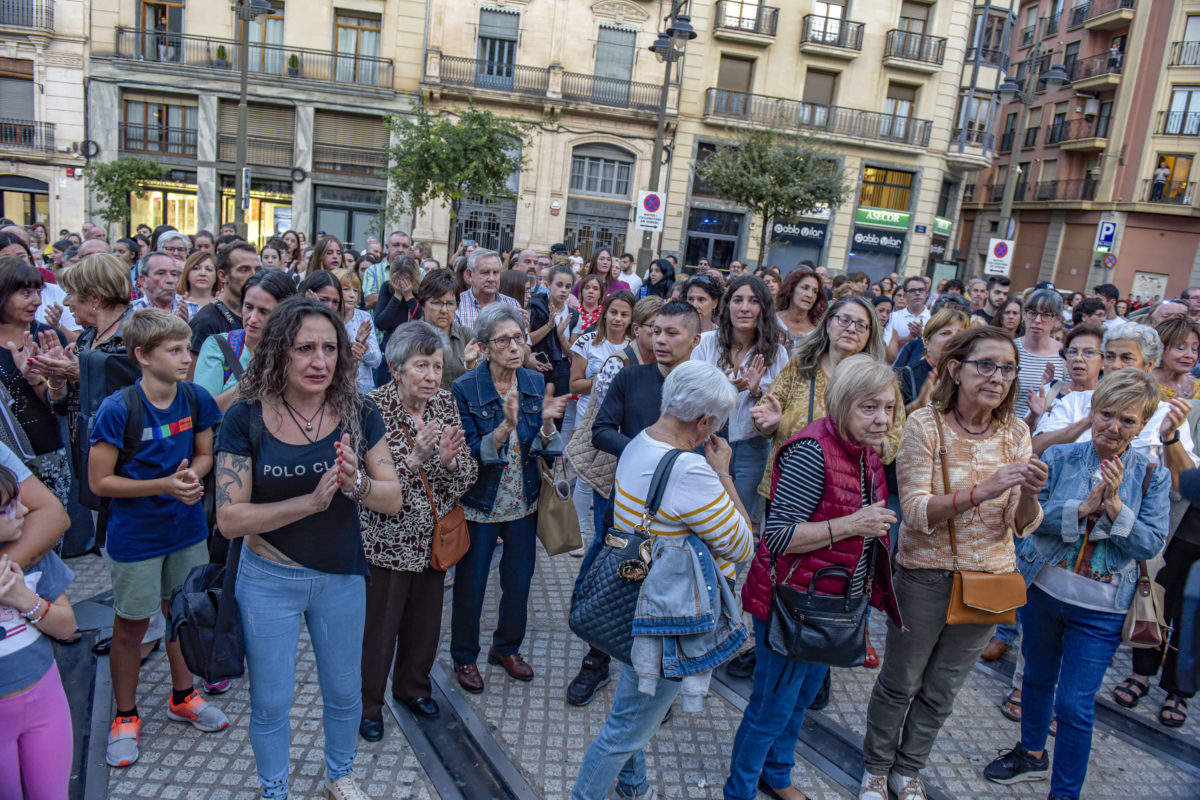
{"points": [[156, 524]]}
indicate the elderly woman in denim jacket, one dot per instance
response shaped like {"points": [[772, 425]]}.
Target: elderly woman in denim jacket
{"points": [[1106, 508], [699, 498], [508, 419]]}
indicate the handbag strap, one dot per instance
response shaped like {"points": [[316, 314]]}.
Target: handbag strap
{"points": [[937, 418], [658, 486], [812, 394], [1085, 552]]}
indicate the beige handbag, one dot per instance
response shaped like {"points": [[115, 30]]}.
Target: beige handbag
{"points": [[597, 468]]}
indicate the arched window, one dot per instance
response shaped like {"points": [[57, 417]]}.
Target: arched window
{"points": [[601, 169]]}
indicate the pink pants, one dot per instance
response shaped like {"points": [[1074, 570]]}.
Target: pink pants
{"points": [[36, 741]]}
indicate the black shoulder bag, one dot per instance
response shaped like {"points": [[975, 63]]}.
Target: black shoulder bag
{"points": [[606, 595]]}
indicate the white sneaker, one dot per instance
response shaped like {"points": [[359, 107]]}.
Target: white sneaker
{"points": [[344, 788], [906, 788], [874, 787]]}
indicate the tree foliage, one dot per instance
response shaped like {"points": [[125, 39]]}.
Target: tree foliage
{"points": [[113, 181], [447, 158], [774, 175]]}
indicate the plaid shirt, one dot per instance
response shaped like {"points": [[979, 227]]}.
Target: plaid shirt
{"points": [[469, 307]]}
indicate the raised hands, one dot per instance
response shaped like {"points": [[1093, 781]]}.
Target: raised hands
{"points": [[450, 445], [553, 407], [768, 414], [347, 461]]}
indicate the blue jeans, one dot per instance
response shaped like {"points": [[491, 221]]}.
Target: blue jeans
{"points": [[272, 598], [470, 584], [765, 744], [1007, 634], [599, 509], [1067, 648], [616, 752], [747, 464]]}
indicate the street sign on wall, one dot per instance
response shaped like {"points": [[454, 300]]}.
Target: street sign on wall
{"points": [[999, 257], [648, 216], [1106, 234]]}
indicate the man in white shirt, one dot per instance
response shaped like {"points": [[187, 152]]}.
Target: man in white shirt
{"points": [[629, 274], [909, 322], [1109, 294]]}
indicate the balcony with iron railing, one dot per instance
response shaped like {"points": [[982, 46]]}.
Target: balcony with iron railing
{"points": [[151, 47], [1171, 193], [495, 76], [817, 118], [1185, 54], [1102, 14], [973, 137], [1051, 25], [1081, 133], [1096, 72], [1028, 34], [615, 92], [831, 36], [28, 15], [915, 51], [347, 160], [1006, 141], [138, 138], [1062, 190], [261, 151], [27, 135], [743, 20], [1178, 123]]}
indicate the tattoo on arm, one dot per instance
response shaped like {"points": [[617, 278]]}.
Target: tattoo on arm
{"points": [[230, 471]]}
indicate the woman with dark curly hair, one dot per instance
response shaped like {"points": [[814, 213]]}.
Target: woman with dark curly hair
{"points": [[289, 480], [801, 304]]}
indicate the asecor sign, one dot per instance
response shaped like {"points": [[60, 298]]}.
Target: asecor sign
{"points": [[882, 218], [648, 216]]}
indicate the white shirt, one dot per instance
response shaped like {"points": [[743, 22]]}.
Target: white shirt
{"points": [[1071, 408], [902, 316], [52, 294], [1108, 323], [634, 280], [740, 425], [596, 354]]}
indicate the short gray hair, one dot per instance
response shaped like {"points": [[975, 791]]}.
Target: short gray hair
{"points": [[855, 379], [144, 263], [415, 338], [1145, 337], [695, 389], [170, 236], [481, 253], [1043, 300], [492, 315]]}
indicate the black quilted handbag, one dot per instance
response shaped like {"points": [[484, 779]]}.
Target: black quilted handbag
{"points": [[606, 595], [817, 628]]}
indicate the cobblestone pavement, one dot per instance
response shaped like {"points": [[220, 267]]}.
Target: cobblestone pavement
{"points": [[545, 738]]}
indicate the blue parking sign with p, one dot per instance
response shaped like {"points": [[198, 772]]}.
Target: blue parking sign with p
{"points": [[1106, 233]]}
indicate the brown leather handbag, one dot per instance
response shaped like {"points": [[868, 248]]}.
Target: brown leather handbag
{"points": [[977, 598], [451, 539]]}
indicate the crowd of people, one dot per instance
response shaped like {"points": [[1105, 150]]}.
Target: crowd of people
{"points": [[352, 432]]}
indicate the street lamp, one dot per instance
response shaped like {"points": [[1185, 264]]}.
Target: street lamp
{"points": [[668, 48], [247, 11], [1010, 90]]}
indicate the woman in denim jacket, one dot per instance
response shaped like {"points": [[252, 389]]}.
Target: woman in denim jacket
{"points": [[508, 421], [1106, 508]]}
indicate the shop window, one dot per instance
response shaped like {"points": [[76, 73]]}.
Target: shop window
{"points": [[886, 188]]}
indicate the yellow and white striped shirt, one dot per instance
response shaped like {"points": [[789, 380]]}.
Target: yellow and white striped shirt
{"points": [[694, 502]]}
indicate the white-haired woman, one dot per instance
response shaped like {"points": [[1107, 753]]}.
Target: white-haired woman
{"points": [[508, 420], [699, 498]]}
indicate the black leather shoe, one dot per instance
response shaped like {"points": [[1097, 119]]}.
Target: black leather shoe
{"points": [[422, 706], [822, 699], [371, 730], [742, 666]]}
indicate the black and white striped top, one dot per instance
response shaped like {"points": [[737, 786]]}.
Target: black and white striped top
{"points": [[801, 483]]}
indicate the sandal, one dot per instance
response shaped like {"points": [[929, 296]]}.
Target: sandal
{"points": [[1134, 691], [1008, 704], [1174, 704]]}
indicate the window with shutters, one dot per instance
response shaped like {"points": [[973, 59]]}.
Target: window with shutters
{"points": [[886, 188], [159, 124], [498, 30], [271, 131], [19, 127], [734, 76], [349, 143], [913, 17], [357, 39], [615, 51], [819, 90], [1031, 127], [898, 108], [601, 171]]}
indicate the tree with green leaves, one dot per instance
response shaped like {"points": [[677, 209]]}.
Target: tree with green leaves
{"points": [[774, 174], [113, 181], [471, 153]]}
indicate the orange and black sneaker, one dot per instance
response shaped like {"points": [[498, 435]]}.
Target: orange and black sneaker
{"points": [[123, 739], [195, 709]]}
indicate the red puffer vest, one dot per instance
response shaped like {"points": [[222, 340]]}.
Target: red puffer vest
{"points": [[841, 497]]}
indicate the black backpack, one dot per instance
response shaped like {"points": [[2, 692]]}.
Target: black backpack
{"points": [[203, 613], [100, 374]]}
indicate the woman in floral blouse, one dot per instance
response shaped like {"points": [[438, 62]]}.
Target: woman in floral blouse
{"points": [[404, 596]]}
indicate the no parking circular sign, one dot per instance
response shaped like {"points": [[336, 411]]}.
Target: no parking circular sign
{"points": [[999, 257], [648, 215]]}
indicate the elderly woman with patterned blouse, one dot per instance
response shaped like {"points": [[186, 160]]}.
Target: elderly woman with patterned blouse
{"points": [[404, 597], [990, 490]]}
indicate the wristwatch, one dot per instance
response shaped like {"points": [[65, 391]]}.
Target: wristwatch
{"points": [[1168, 442]]}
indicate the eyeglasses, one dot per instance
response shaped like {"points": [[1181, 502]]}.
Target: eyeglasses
{"points": [[987, 369], [440, 305], [851, 322], [1047, 316], [503, 342], [1087, 352], [175, 249]]}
